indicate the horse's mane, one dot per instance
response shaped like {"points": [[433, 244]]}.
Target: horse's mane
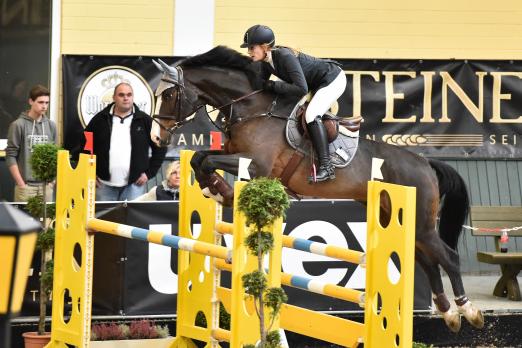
{"points": [[220, 56], [225, 57]]}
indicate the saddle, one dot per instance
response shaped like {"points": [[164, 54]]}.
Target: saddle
{"points": [[343, 138], [330, 121]]}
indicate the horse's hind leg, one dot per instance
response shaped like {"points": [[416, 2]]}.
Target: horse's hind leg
{"points": [[452, 267], [431, 268]]}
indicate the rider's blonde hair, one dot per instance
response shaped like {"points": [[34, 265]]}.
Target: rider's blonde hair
{"points": [[266, 47], [294, 51]]}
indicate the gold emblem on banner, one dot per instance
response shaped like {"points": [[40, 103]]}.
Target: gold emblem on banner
{"points": [[97, 90], [434, 139]]}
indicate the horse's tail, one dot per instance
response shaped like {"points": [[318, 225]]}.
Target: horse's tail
{"points": [[455, 206]]}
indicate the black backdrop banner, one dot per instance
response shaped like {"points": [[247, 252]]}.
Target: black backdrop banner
{"points": [[137, 278], [437, 108]]}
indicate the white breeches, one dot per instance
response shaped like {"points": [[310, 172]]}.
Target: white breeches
{"points": [[323, 99]]}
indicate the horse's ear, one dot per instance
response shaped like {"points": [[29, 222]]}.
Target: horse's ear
{"points": [[160, 68], [173, 72]]}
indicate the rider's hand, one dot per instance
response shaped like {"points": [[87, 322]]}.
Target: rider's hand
{"points": [[268, 85]]}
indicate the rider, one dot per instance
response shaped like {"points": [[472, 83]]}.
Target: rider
{"points": [[299, 73]]}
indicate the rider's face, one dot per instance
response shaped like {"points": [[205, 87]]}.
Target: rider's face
{"points": [[257, 52]]}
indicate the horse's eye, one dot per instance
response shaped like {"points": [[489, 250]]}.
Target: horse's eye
{"points": [[168, 95]]}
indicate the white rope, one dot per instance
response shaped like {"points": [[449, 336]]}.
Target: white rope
{"points": [[492, 229]]}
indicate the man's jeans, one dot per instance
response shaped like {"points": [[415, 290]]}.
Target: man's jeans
{"points": [[113, 193]]}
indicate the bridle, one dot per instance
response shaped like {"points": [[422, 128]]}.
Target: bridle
{"points": [[179, 86], [180, 94]]}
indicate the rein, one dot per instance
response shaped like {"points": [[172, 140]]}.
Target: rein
{"points": [[236, 100]]}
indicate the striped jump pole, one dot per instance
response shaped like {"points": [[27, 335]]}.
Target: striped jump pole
{"points": [[347, 294], [343, 254], [161, 238]]}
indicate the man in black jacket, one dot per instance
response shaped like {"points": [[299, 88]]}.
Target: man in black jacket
{"points": [[121, 134]]}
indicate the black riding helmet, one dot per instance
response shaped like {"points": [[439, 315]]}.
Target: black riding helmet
{"points": [[258, 35]]}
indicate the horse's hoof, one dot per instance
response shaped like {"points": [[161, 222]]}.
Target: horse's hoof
{"points": [[207, 193], [472, 314], [452, 320]]}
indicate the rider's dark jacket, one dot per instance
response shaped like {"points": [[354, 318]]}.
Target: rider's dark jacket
{"points": [[299, 74], [101, 127]]}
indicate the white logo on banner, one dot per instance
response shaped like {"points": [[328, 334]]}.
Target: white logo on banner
{"points": [[164, 280], [97, 90], [161, 277], [358, 278], [293, 260]]}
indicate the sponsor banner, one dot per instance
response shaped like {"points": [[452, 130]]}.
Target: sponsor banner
{"points": [[437, 108], [137, 278]]}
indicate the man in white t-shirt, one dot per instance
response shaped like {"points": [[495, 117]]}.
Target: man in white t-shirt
{"points": [[121, 145]]}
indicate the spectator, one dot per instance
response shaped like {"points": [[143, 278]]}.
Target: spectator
{"points": [[31, 128], [121, 134], [168, 189]]}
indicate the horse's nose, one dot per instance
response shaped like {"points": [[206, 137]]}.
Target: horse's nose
{"points": [[155, 140]]}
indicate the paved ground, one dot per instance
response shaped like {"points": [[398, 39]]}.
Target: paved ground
{"points": [[479, 289]]}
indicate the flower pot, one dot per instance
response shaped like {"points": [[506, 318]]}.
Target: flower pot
{"points": [[144, 343], [33, 340]]}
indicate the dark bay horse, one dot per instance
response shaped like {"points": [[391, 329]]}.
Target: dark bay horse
{"points": [[255, 128]]}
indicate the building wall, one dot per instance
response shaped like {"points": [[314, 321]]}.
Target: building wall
{"points": [[117, 27], [466, 29], [345, 29]]}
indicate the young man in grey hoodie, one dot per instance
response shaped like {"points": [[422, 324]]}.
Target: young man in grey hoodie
{"points": [[31, 128]]}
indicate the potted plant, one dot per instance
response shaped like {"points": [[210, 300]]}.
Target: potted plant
{"points": [[263, 201], [43, 162], [140, 333]]}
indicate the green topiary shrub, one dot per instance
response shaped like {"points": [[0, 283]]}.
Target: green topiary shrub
{"points": [[44, 161], [263, 201]]}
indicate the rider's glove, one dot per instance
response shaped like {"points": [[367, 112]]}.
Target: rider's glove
{"points": [[268, 85]]}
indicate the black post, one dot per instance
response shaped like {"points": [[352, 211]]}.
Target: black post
{"points": [[5, 331]]}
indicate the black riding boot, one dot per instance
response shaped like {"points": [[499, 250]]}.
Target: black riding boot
{"points": [[320, 142]]}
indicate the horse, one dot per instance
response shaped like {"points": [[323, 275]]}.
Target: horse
{"points": [[254, 125]]}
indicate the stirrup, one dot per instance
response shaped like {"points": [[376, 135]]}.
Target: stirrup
{"points": [[330, 170]]}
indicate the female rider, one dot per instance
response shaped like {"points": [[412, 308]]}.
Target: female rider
{"points": [[298, 74]]}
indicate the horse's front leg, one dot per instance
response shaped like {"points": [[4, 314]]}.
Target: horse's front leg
{"points": [[205, 164], [200, 167]]}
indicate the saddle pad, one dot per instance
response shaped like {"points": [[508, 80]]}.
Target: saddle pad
{"points": [[342, 149]]}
